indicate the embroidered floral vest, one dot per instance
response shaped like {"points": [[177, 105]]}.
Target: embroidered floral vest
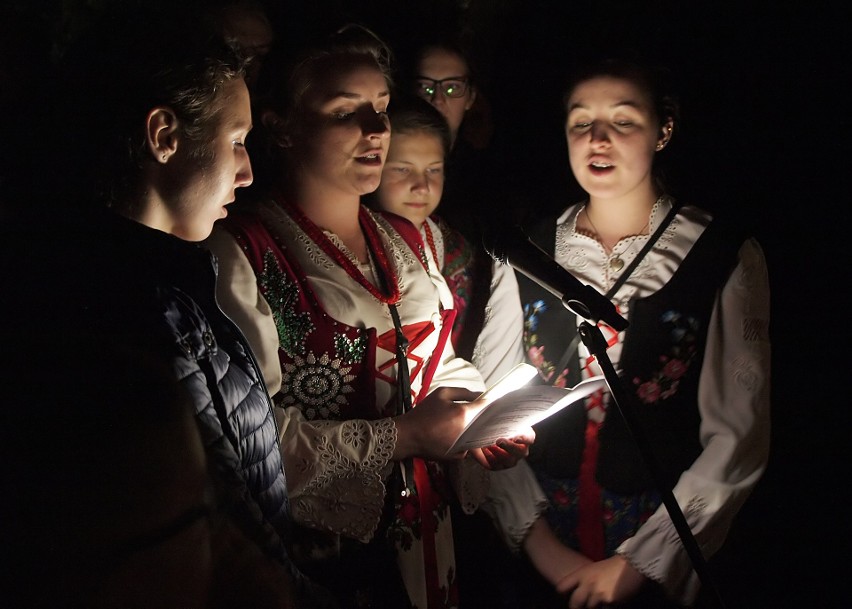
{"points": [[329, 371], [322, 384], [660, 362]]}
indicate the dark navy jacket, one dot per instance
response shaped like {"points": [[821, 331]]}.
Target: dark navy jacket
{"points": [[97, 276]]}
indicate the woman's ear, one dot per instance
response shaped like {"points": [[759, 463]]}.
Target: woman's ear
{"points": [[275, 125], [161, 135], [471, 99], [665, 134]]}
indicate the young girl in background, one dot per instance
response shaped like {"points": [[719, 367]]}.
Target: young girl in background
{"points": [[411, 187]]}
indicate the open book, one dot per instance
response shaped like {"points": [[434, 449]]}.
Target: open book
{"points": [[510, 406]]}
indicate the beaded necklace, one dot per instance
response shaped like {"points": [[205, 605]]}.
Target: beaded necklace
{"points": [[374, 245], [430, 239]]}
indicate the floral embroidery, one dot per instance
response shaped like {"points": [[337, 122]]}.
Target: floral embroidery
{"points": [[406, 527], [355, 433], [664, 383], [352, 351], [319, 386], [534, 351], [746, 374], [402, 255], [624, 514], [458, 272], [408, 523], [281, 294], [564, 498]]}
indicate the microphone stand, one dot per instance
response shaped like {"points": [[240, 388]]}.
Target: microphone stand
{"points": [[595, 342]]}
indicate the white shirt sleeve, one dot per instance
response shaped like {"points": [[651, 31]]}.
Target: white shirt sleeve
{"points": [[733, 400], [514, 500], [240, 299], [499, 346]]}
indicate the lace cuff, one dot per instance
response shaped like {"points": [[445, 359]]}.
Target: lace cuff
{"points": [[515, 501], [657, 552], [470, 481], [336, 471]]}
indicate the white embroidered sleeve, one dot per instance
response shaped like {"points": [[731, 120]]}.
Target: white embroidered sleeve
{"points": [[499, 345], [733, 398], [239, 298], [515, 502], [336, 471]]}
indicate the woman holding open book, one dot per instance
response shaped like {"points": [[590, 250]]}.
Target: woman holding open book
{"points": [[694, 359], [350, 318]]}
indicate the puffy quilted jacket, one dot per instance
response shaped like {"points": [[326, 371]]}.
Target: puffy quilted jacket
{"points": [[104, 277], [172, 286]]}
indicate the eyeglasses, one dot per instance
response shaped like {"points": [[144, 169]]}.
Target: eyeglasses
{"points": [[449, 87]]}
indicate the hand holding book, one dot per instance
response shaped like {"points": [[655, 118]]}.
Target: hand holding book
{"points": [[511, 406]]}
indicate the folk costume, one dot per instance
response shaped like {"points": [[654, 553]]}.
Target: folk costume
{"points": [[695, 360], [487, 329], [324, 330]]}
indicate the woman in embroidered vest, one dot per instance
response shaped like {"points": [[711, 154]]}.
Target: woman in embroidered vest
{"points": [[334, 296], [695, 357], [412, 185]]}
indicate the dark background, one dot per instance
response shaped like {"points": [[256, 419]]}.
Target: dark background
{"points": [[765, 92]]}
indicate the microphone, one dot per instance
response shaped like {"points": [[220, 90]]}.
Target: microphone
{"points": [[514, 248]]}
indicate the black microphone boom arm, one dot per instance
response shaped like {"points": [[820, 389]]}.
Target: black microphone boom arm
{"points": [[514, 248]]}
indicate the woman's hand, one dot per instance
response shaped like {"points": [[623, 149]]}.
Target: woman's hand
{"points": [[506, 452], [430, 428], [612, 580]]}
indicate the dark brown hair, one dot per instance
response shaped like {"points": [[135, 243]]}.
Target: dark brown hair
{"points": [[128, 61], [413, 114], [655, 81]]}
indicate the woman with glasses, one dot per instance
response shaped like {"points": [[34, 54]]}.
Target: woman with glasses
{"points": [[351, 320], [442, 77], [439, 70]]}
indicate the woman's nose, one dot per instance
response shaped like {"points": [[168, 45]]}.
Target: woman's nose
{"points": [[439, 100], [244, 173], [420, 183], [599, 133], [376, 124]]}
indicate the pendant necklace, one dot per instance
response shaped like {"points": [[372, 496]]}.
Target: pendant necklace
{"points": [[615, 262]]}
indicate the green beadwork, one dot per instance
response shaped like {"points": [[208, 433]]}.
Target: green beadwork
{"points": [[352, 351], [282, 294]]}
